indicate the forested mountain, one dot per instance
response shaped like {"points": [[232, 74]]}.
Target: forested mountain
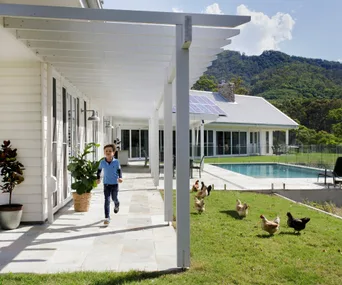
{"points": [[276, 75], [308, 90]]}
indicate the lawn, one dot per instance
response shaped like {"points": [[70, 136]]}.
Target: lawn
{"points": [[227, 250]]}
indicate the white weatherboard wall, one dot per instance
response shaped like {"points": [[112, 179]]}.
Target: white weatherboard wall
{"points": [[24, 121], [21, 122]]}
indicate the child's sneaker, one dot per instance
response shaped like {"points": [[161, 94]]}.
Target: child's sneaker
{"points": [[116, 209], [106, 221]]}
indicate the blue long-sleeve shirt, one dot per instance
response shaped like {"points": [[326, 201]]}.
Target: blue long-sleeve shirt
{"points": [[112, 171]]}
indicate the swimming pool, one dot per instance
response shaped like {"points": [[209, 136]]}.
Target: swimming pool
{"points": [[271, 170]]}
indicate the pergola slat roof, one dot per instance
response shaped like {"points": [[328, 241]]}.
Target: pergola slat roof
{"points": [[118, 55]]}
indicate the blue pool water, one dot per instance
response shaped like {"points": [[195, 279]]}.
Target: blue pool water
{"points": [[271, 170]]}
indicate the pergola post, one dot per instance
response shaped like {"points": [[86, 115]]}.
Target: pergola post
{"points": [[183, 37], [202, 139], [193, 142], [168, 161], [151, 145], [286, 138], [156, 147]]}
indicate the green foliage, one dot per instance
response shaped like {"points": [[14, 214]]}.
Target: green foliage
{"points": [[206, 83], [11, 169], [84, 171]]}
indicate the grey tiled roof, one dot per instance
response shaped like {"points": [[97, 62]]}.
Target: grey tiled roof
{"points": [[248, 110]]}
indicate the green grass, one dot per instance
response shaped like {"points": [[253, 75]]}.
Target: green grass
{"points": [[227, 250], [321, 160]]}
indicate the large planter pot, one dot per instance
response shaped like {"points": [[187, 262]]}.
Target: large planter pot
{"points": [[10, 216], [81, 202]]}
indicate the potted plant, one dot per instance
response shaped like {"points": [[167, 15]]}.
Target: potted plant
{"points": [[12, 175], [84, 173]]}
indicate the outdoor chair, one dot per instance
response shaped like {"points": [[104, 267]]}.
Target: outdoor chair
{"points": [[336, 174], [197, 166], [161, 166]]}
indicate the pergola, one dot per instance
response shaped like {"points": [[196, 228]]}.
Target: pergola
{"points": [[133, 58]]}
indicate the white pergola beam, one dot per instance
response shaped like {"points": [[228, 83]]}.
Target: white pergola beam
{"points": [[121, 59], [124, 16], [86, 47], [112, 29], [118, 44], [159, 54]]}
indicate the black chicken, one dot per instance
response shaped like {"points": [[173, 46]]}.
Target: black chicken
{"points": [[297, 224]]}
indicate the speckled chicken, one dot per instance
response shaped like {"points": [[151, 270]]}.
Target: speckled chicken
{"points": [[195, 187], [242, 209], [199, 205], [205, 191], [270, 226]]}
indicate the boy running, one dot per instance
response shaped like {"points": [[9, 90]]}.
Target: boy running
{"points": [[112, 176]]}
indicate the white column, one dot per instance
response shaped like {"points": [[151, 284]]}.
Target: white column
{"points": [[193, 142], [156, 147], [262, 142], [202, 144], [182, 150], [202, 139], [197, 139], [287, 137], [168, 159], [151, 142]]}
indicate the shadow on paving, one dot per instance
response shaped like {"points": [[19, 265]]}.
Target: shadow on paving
{"points": [[8, 253], [138, 276]]}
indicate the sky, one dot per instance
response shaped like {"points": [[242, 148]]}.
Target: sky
{"points": [[308, 28]]}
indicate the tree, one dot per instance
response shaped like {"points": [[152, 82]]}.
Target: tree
{"points": [[206, 83], [239, 88]]}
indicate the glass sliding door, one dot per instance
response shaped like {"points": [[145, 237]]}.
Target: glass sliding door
{"points": [[235, 143], [243, 143], [125, 141], [135, 143], [219, 143], [144, 142], [210, 143], [227, 143]]}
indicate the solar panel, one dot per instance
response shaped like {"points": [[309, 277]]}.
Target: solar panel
{"points": [[202, 105]]}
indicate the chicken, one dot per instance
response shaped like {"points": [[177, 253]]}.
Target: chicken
{"points": [[270, 226], [205, 191], [242, 209], [199, 205], [296, 224], [195, 187]]}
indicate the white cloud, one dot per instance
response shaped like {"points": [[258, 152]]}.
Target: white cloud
{"points": [[339, 60], [262, 32], [213, 9], [177, 10]]}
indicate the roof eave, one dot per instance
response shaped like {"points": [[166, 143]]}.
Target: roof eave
{"points": [[257, 125]]}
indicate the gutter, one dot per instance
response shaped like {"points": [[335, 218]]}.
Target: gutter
{"points": [[256, 125]]}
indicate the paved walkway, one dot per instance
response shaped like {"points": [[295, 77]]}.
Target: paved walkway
{"points": [[137, 238]]}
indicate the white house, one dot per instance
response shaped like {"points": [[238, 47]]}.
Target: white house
{"points": [[246, 128], [59, 66]]}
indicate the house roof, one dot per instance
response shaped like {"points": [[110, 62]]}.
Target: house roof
{"points": [[249, 111]]}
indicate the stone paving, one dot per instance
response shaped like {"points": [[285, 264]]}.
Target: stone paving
{"points": [[137, 237]]}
